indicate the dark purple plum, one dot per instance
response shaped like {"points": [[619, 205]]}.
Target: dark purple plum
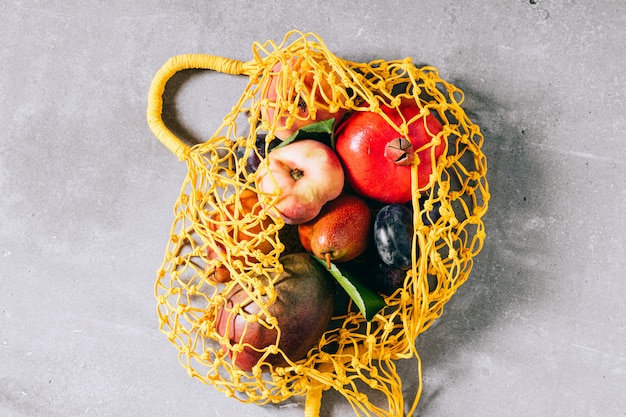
{"points": [[393, 234], [254, 159], [387, 279]]}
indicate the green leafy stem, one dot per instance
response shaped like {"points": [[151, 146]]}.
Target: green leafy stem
{"points": [[368, 301], [322, 131]]}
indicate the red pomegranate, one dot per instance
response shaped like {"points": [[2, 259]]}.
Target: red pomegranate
{"points": [[377, 159]]}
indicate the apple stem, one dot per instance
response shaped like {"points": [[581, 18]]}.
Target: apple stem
{"points": [[327, 257], [296, 173]]}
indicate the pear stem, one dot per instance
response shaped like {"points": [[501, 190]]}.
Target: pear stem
{"points": [[327, 257]]}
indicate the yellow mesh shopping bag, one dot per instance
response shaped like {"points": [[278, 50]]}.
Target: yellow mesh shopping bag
{"points": [[234, 266]]}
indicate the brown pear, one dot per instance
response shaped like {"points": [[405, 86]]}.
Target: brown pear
{"points": [[340, 232]]}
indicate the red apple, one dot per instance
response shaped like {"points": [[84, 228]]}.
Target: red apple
{"points": [[308, 105], [305, 175], [377, 160]]}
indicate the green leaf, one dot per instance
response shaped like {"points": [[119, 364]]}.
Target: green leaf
{"points": [[368, 301], [322, 131]]}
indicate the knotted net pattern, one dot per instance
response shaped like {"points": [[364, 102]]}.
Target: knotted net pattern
{"points": [[354, 356]]}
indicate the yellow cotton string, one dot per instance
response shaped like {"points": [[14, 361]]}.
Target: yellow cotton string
{"points": [[213, 213]]}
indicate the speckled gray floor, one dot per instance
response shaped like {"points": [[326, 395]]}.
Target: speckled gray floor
{"points": [[87, 196]]}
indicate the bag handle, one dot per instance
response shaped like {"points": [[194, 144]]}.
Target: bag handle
{"points": [[166, 72]]}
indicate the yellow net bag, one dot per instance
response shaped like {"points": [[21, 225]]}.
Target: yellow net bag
{"points": [[221, 287]]}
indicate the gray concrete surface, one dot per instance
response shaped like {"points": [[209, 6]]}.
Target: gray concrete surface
{"points": [[87, 196]]}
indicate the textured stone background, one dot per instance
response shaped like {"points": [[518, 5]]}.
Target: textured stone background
{"points": [[87, 196]]}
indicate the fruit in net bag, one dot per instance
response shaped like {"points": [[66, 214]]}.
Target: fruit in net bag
{"points": [[247, 235], [377, 159], [393, 234], [340, 232], [304, 85], [306, 173], [302, 309]]}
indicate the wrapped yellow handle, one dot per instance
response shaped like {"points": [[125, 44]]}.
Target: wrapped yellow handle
{"points": [[313, 402], [167, 71]]}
